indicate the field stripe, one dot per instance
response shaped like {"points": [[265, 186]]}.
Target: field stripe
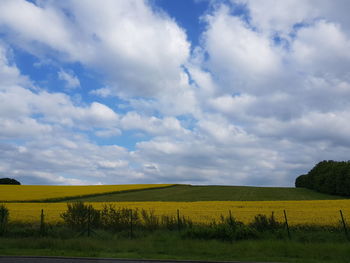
{"points": [[319, 212], [49, 193]]}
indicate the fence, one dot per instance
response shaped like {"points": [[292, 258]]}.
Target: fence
{"points": [[130, 219], [299, 212]]}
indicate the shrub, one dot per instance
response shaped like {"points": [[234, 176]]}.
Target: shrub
{"points": [[150, 220], [118, 219], [4, 215], [169, 222], [80, 216], [228, 229], [262, 223]]}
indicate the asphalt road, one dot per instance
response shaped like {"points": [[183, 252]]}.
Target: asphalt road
{"points": [[16, 259]]}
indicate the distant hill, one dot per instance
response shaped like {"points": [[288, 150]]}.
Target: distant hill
{"points": [[213, 193]]}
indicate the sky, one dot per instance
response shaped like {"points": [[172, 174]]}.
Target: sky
{"points": [[241, 92]]}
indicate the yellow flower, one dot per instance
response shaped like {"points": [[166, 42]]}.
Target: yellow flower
{"points": [[320, 212], [43, 192]]}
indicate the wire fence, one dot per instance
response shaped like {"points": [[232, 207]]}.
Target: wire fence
{"points": [[126, 219]]}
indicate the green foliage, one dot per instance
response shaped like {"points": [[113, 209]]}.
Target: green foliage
{"points": [[228, 229], [118, 219], [327, 177], [170, 222], [263, 223], [9, 181], [150, 220], [80, 216], [4, 215]]}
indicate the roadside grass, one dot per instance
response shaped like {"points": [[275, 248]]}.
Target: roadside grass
{"points": [[263, 240], [188, 193], [172, 245]]}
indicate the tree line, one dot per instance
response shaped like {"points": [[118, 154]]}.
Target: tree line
{"points": [[9, 181], [329, 177]]}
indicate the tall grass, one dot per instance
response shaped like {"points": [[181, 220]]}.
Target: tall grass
{"points": [[171, 245]]}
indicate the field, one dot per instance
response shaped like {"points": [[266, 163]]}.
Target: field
{"points": [[320, 212], [314, 219], [201, 204], [10, 193], [188, 193]]}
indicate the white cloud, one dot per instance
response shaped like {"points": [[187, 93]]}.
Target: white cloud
{"points": [[239, 56], [281, 16], [106, 133], [321, 49], [276, 16], [102, 92], [152, 125], [26, 22], [246, 109], [71, 80], [109, 37]]}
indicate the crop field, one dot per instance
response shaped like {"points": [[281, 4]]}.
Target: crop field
{"points": [[190, 193], [201, 204], [12, 193], [319, 212]]}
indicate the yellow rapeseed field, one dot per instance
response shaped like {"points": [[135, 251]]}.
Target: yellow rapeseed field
{"points": [[43, 192], [320, 212]]}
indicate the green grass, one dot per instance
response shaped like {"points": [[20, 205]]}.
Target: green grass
{"points": [[189, 193], [172, 246]]}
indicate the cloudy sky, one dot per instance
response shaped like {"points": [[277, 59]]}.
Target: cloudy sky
{"points": [[204, 92]]}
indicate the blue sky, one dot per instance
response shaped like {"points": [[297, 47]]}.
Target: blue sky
{"points": [[238, 92]]}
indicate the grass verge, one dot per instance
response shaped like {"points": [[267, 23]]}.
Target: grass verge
{"points": [[171, 245]]}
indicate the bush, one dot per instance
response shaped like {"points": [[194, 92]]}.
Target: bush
{"points": [[262, 223], [4, 215], [150, 220], [80, 216], [169, 222], [118, 219], [228, 229]]}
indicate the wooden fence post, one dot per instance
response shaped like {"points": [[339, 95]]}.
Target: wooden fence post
{"points": [[42, 223], [89, 222], [344, 225], [285, 217], [178, 220], [3, 219], [231, 219], [131, 230]]}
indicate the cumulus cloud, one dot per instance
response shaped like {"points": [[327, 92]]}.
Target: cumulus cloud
{"points": [[50, 150], [152, 125], [281, 17], [71, 80], [258, 102], [243, 59], [109, 38], [321, 49]]}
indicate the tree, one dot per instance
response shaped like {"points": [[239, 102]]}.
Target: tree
{"points": [[329, 177], [9, 181]]}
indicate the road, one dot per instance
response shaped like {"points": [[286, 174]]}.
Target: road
{"points": [[16, 259]]}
